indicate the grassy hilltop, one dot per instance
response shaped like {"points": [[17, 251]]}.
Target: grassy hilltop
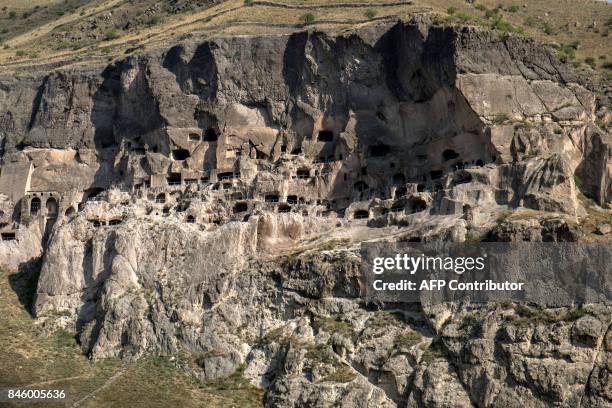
{"points": [[83, 30]]}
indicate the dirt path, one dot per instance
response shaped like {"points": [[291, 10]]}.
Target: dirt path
{"points": [[106, 384]]}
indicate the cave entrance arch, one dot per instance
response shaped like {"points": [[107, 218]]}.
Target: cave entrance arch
{"points": [[52, 207]]}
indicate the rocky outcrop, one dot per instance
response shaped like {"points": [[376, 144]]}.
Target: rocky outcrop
{"points": [[212, 198]]}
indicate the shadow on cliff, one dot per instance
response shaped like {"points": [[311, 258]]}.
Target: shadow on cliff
{"points": [[125, 115], [25, 282]]}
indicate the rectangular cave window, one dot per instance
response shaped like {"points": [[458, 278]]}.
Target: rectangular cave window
{"points": [[292, 199], [114, 222], [8, 236], [194, 137], [303, 174], [225, 176], [174, 179], [271, 198], [326, 136], [240, 207], [284, 208], [361, 214]]}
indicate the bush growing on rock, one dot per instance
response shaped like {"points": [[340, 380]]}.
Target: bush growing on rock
{"points": [[370, 13], [307, 18]]}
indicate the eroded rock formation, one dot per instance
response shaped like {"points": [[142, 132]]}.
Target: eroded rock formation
{"points": [[212, 197]]}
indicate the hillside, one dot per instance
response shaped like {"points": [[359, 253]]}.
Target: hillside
{"points": [[193, 192], [32, 356], [100, 30]]}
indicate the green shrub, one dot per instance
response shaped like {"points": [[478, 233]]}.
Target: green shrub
{"points": [[500, 24], [463, 17], [590, 61], [501, 118], [491, 13], [111, 35], [451, 10], [308, 17], [567, 51], [20, 53], [407, 340], [249, 2], [513, 9], [154, 20], [335, 325], [12, 14], [548, 29], [530, 21], [480, 7], [370, 13], [342, 374]]}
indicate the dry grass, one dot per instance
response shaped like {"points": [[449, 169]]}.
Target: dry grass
{"points": [[29, 357], [567, 24]]}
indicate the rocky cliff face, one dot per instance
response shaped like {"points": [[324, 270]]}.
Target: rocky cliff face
{"points": [[212, 198]]}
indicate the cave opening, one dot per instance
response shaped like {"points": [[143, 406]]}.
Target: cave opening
{"points": [[399, 179], [361, 214], [161, 198], [326, 136], [379, 150], [52, 207], [69, 212], [449, 154], [8, 236], [174, 179], [271, 198], [240, 207], [225, 176], [190, 219], [195, 137], [303, 174], [180, 154], [417, 205], [93, 193], [34, 206], [284, 208], [400, 192], [210, 135], [462, 177], [292, 199]]}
